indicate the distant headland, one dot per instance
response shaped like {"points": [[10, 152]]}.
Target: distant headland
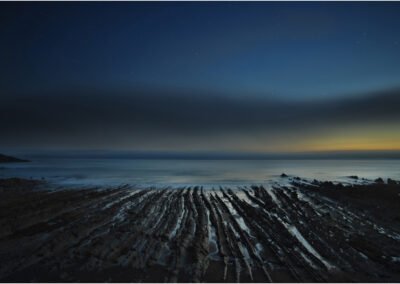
{"points": [[9, 159]]}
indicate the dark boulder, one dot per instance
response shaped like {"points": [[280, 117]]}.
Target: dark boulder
{"points": [[328, 183], [353, 177], [379, 180], [390, 181], [283, 175]]}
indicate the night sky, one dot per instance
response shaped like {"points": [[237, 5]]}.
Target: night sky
{"points": [[200, 76]]}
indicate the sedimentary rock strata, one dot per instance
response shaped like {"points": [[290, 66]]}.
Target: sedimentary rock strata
{"points": [[305, 231]]}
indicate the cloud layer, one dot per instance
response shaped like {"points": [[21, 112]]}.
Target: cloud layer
{"points": [[182, 120]]}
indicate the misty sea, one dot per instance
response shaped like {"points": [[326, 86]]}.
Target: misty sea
{"points": [[194, 172]]}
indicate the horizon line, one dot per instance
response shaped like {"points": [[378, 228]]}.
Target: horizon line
{"points": [[207, 155]]}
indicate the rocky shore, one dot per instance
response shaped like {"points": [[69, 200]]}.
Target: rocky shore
{"points": [[302, 231]]}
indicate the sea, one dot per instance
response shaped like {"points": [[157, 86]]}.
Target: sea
{"points": [[209, 173]]}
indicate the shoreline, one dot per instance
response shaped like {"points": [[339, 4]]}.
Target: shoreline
{"points": [[302, 231]]}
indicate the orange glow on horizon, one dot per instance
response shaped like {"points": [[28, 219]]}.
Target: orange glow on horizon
{"points": [[370, 138]]}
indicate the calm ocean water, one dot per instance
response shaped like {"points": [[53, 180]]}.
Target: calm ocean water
{"points": [[205, 172]]}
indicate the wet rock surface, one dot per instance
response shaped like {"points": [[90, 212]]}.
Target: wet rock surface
{"points": [[305, 231]]}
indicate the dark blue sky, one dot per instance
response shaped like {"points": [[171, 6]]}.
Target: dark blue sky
{"points": [[235, 76], [308, 49]]}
